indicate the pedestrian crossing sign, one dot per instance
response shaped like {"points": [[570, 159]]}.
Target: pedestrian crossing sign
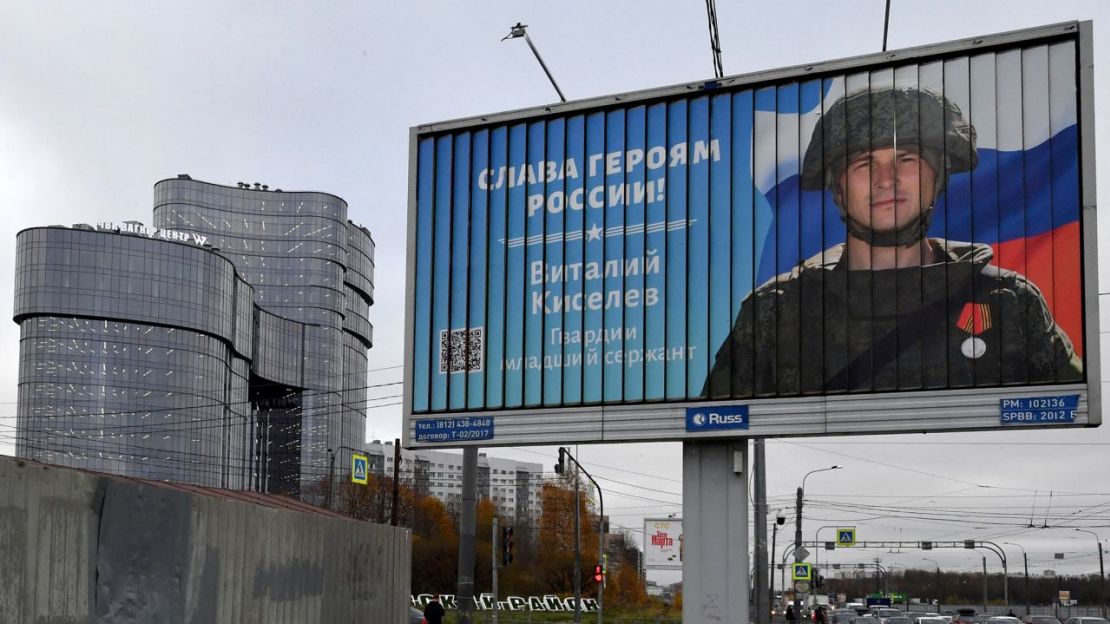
{"points": [[846, 537], [802, 572], [359, 468]]}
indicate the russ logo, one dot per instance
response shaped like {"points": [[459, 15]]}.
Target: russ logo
{"points": [[717, 417]]}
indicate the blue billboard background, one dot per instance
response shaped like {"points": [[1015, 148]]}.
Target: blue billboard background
{"points": [[604, 256]]}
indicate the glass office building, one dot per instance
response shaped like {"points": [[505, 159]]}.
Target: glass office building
{"points": [[224, 346]]}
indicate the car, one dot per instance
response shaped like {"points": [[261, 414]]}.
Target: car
{"points": [[864, 619], [842, 616], [899, 619], [886, 613], [416, 616], [966, 616], [1002, 619], [1086, 620], [1040, 619], [933, 619]]}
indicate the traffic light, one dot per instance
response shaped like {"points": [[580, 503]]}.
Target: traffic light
{"points": [[818, 581], [506, 545], [561, 467], [599, 573]]}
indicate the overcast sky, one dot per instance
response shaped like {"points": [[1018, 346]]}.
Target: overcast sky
{"points": [[99, 100]]}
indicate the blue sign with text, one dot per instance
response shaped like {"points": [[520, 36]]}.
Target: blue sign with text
{"points": [[715, 418], [461, 429], [1039, 410]]}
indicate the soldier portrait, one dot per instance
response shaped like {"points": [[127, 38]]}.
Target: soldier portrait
{"points": [[897, 305]]}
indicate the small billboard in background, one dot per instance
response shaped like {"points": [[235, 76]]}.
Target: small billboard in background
{"points": [[826, 249], [663, 544]]}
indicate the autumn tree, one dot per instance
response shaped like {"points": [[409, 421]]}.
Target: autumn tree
{"points": [[555, 551], [435, 546], [623, 583]]}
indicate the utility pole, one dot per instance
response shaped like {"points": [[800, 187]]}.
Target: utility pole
{"points": [[779, 521], [984, 584], [1025, 559], [577, 553], [496, 562], [465, 588], [331, 480], [396, 475], [798, 527], [1102, 585], [760, 584], [798, 543]]}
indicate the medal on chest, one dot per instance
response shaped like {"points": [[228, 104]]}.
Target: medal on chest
{"points": [[974, 319]]}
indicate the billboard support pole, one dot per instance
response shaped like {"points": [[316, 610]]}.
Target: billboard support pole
{"points": [[715, 528]]}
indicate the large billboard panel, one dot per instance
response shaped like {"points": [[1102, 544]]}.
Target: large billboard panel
{"points": [[890, 243]]}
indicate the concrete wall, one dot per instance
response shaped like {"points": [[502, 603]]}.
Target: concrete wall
{"points": [[78, 547]]}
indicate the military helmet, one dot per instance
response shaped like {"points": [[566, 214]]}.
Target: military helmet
{"points": [[870, 119]]}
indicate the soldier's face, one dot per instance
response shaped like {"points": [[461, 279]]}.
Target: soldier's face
{"points": [[886, 188]]}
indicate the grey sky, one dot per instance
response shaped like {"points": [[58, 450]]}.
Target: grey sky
{"points": [[99, 100]]}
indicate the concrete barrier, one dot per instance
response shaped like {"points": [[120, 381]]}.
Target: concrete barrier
{"points": [[85, 547]]}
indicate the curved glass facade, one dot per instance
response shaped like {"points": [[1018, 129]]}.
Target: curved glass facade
{"points": [[133, 358], [306, 263], [236, 364]]}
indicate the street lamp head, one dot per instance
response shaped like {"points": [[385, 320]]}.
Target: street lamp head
{"points": [[517, 31], [834, 467]]}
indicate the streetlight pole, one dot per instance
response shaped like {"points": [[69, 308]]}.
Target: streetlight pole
{"points": [[519, 31], [816, 540], [1101, 572], [798, 526], [1025, 559], [996, 549]]}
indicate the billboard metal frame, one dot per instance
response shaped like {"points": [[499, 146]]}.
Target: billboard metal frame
{"points": [[840, 414]]}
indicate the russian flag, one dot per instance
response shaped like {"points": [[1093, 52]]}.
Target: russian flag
{"points": [[1022, 199]]}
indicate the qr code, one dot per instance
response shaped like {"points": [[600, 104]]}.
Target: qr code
{"points": [[460, 350]]}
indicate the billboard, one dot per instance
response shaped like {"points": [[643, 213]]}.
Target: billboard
{"points": [[892, 243], [663, 543]]}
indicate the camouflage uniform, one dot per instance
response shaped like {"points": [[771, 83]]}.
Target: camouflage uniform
{"points": [[822, 328], [957, 321]]}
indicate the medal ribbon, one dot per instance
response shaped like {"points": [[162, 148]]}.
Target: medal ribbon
{"points": [[975, 318]]}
